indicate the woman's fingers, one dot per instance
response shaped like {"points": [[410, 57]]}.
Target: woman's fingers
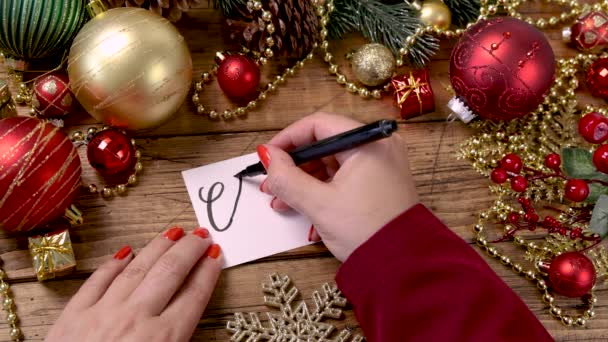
{"points": [[188, 305], [126, 282], [97, 284], [169, 272]]}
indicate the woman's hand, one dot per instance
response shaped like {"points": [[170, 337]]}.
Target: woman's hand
{"points": [[349, 196], [159, 295]]}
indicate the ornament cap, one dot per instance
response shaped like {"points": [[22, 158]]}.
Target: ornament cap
{"points": [[219, 57], [460, 110], [96, 7], [567, 34]]}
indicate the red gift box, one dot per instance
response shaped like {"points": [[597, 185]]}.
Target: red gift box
{"points": [[413, 93]]}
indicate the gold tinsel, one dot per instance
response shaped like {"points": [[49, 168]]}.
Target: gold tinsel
{"points": [[551, 127]]}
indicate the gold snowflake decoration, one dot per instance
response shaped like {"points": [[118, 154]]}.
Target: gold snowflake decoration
{"points": [[296, 322]]}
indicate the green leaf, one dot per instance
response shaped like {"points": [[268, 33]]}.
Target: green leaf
{"points": [[578, 163], [599, 217]]}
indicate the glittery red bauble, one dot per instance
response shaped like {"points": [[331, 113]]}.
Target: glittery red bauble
{"points": [[571, 274], [597, 78], [239, 77], [500, 70], [589, 32], [52, 96], [111, 152], [39, 173]]}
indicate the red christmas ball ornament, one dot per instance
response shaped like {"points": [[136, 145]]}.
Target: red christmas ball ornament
{"points": [[238, 76], [576, 190], [52, 96], [111, 152], [593, 127], [600, 158], [597, 78], [39, 173], [571, 274], [589, 33], [500, 69]]}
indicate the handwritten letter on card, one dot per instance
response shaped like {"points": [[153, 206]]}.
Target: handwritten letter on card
{"points": [[238, 214]]}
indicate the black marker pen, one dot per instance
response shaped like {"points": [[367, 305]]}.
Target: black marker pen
{"points": [[338, 143]]}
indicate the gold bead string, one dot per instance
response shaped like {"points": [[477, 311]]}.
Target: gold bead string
{"points": [[261, 60], [107, 192], [576, 9], [530, 274], [8, 305]]}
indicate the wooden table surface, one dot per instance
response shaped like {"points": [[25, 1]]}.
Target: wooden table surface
{"points": [[448, 186]]}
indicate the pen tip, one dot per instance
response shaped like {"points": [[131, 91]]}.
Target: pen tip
{"points": [[239, 175]]}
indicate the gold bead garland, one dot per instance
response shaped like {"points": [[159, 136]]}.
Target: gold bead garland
{"points": [[532, 275], [8, 305], [261, 59], [547, 129], [107, 192]]}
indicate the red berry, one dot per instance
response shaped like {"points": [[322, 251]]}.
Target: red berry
{"points": [[499, 176], [531, 217], [594, 128], [553, 161], [512, 162], [600, 158], [519, 184], [513, 217], [576, 190], [576, 233]]}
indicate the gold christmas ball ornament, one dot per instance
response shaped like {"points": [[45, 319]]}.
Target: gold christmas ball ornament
{"points": [[373, 64], [436, 13], [130, 68]]}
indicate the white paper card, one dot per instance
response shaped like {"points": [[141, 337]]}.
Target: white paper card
{"points": [[256, 230]]}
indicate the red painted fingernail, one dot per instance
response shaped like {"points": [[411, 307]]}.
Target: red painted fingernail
{"points": [[264, 155], [123, 253], [310, 232], [201, 232], [213, 251], [262, 185], [174, 233]]}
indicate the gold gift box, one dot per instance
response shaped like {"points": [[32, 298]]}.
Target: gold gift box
{"points": [[7, 106], [52, 254]]}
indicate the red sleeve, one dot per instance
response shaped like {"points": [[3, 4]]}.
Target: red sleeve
{"points": [[415, 280]]}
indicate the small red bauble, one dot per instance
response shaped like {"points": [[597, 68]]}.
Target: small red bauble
{"points": [[52, 96], [576, 190], [499, 176], [238, 76], [519, 183], [593, 127], [513, 217], [511, 162], [111, 152], [571, 274], [589, 32], [597, 78], [553, 161], [500, 69], [39, 173], [600, 158]]}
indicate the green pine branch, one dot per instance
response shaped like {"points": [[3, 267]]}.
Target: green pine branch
{"points": [[388, 24], [463, 11], [230, 8]]}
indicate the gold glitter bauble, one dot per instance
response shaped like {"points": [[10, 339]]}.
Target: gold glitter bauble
{"points": [[373, 64], [130, 68], [436, 13]]}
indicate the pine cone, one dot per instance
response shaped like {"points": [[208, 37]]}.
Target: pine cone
{"points": [[296, 27], [170, 9]]}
